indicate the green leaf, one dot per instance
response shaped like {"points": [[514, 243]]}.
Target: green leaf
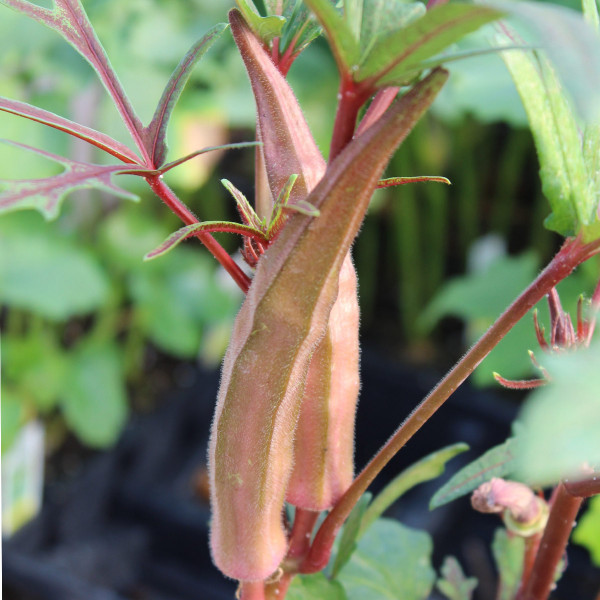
{"points": [[344, 44], [586, 533], [350, 533], [559, 424], [508, 553], [13, 414], [478, 298], [156, 131], [497, 462], [391, 562], [427, 468], [94, 402], [590, 12], [47, 273], [562, 169], [395, 57], [300, 28], [311, 587], [46, 195], [37, 367], [266, 28], [380, 18], [176, 297], [454, 584]]}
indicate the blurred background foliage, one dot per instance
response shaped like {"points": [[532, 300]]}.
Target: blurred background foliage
{"points": [[85, 322]]}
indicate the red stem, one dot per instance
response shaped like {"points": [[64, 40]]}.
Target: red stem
{"points": [[585, 487], [572, 253], [162, 190], [563, 512], [532, 545], [252, 590], [351, 98]]}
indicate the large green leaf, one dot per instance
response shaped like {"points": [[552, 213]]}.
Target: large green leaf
{"points": [[559, 424], [396, 58], [391, 562], [47, 273], [94, 402], [562, 168]]}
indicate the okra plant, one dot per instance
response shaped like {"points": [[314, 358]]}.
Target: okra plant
{"points": [[289, 515]]}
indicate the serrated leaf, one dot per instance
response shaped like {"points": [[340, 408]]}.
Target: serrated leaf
{"points": [[427, 468], [587, 531], [69, 19], [454, 584], [47, 273], [311, 587], [206, 226], [391, 562], [380, 18], [94, 401], [508, 552], [350, 534], [562, 170], [559, 423], [266, 28], [100, 140], [497, 462], [343, 43], [155, 133], [46, 195], [395, 57]]}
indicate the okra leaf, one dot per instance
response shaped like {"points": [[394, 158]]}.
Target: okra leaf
{"points": [[100, 140], [266, 28], [350, 534], [508, 554], [300, 29], [590, 12], [69, 19], [562, 168], [555, 437], [427, 468], [155, 133], [46, 195], [206, 226], [395, 57], [497, 462], [391, 561], [454, 584], [344, 44]]}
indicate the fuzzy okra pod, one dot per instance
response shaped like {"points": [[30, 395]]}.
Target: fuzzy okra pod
{"points": [[282, 320], [324, 441]]}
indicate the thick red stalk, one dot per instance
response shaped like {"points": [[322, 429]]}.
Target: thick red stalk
{"points": [[563, 512], [351, 98], [162, 190], [572, 253]]}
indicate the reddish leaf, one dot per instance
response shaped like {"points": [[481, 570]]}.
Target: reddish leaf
{"points": [[207, 226], [68, 18], [47, 194], [155, 133], [393, 181], [100, 140]]}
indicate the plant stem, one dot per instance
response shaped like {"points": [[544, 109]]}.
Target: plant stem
{"points": [[532, 545], [162, 190], [572, 253], [350, 100], [562, 516], [251, 590]]}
